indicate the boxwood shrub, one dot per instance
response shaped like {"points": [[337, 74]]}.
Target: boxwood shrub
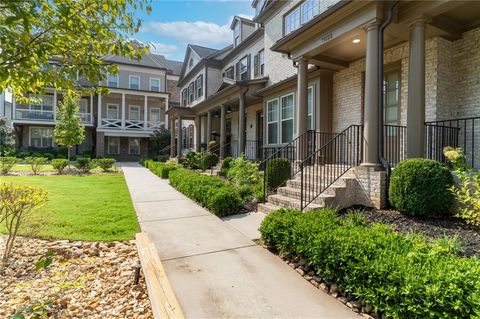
{"points": [[402, 276], [421, 187], [278, 171], [215, 194], [162, 169]]}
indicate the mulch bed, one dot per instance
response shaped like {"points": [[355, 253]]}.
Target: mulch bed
{"points": [[468, 235]]}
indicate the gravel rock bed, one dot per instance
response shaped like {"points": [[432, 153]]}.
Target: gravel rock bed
{"points": [[468, 235], [85, 280]]}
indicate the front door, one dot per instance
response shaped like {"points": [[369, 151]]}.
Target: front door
{"points": [[259, 135]]}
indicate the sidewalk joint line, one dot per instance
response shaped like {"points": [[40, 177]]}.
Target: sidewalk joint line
{"points": [[208, 253], [173, 218]]}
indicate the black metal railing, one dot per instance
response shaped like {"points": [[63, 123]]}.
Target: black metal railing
{"points": [[253, 149], [463, 133], [394, 144], [327, 164], [294, 152], [165, 150]]}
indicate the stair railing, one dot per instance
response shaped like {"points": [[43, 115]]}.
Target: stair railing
{"points": [[326, 165]]}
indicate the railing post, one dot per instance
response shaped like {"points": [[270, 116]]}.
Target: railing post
{"points": [[301, 187]]}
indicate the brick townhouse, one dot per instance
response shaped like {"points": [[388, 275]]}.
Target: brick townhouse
{"points": [[304, 80]]}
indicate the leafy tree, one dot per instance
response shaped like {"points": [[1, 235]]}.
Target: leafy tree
{"points": [[73, 34], [7, 137], [159, 140], [68, 130]]}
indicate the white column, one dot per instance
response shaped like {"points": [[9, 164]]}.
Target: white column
{"points": [[241, 124], [145, 112], [416, 91], [179, 137], [54, 105], [198, 132], [223, 137], [302, 107], [14, 106], [99, 111], [123, 111], [91, 108]]}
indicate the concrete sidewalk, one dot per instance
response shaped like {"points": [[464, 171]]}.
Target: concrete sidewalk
{"points": [[215, 269]]}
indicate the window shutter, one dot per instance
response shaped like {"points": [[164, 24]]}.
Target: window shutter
{"points": [[237, 71], [255, 65], [201, 86], [249, 71], [195, 90]]}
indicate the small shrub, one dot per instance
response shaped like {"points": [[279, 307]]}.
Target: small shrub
{"points": [[162, 169], [59, 164], [208, 160], [226, 163], [278, 171], [401, 276], [421, 187], [36, 163], [163, 158], [244, 172], [217, 195], [467, 189], [85, 164], [192, 160], [7, 163], [105, 163]]}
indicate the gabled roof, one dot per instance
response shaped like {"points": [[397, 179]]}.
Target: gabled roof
{"points": [[174, 66], [155, 61], [238, 18], [203, 52]]}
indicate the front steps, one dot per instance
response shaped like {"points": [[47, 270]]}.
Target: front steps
{"points": [[339, 195]]}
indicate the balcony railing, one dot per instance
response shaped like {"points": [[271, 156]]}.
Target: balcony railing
{"points": [[34, 115], [85, 117], [112, 123], [151, 125], [134, 124], [130, 124]]}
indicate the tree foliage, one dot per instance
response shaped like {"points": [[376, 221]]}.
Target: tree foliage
{"points": [[159, 140], [75, 34], [68, 129], [7, 137]]}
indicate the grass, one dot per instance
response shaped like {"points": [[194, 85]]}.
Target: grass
{"points": [[93, 207]]}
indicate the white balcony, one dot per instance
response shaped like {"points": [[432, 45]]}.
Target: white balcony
{"points": [[35, 115]]}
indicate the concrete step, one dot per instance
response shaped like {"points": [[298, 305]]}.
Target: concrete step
{"points": [[267, 207], [295, 193], [287, 202], [296, 183]]}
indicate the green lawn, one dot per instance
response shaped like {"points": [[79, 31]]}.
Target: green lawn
{"points": [[84, 207]]}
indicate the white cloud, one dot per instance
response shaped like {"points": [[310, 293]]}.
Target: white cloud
{"points": [[203, 33], [165, 49]]}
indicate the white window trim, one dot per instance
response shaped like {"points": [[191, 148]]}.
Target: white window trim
{"points": [[246, 67], [280, 119], [130, 77], [151, 84], [277, 121], [39, 127], [118, 112], [129, 144], [159, 113], [118, 146], [130, 107], [312, 87], [239, 36], [116, 83]]}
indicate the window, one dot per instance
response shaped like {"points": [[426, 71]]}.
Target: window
{"points": [[112, 112], [155, 85], [259, 6], [200, 86], [391, 97], [134, 112], [287, 106], [229, 73], [184, 97], [236, 34], [112, 80], [191, 92], [83, 106], [272, 121], [134, 82], [292, 21], [244, 68], [155, 115], [309, 10], [113, 145], [40, 103], [310, 104], [41, 136], [134, 145], [190, 63], [261, 59]]}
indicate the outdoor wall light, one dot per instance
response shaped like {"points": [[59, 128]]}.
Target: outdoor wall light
{"points": [[356, 41]]}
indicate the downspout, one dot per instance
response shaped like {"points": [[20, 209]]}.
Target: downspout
{"points": [[380, 98]]}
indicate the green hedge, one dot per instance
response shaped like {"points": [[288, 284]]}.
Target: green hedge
{"points": [[217, 195], [161, 169], [400, 276], [278, 171], [421, 187]]}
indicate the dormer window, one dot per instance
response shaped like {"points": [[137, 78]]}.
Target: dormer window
{"points": [[236, 34], [259, 6], [190, 63]]}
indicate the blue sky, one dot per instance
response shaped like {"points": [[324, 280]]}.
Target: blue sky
{"points": [[173, 24]]}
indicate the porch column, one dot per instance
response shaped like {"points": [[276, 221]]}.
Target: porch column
{"points": [[223, 113], [241, 124], [90, 117], [209, 126], [99, 111], [179, 137], [372, 107], [54, 105], [145, 112], [302, 105], [416, 91], [172, 136], [123, 111], [198, 132]]}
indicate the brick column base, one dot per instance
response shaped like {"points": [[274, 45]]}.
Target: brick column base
{"points": [[100, 145], [372, 187]]}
